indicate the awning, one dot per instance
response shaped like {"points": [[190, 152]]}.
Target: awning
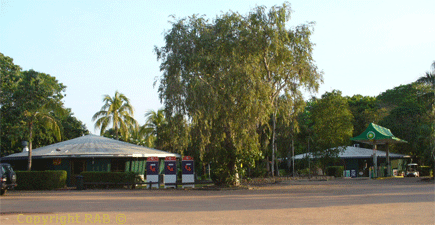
{"points": [[378, 135]]}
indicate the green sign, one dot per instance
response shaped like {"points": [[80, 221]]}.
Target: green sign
{"points": [[371, 135]]}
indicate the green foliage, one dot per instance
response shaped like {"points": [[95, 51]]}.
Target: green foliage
{"points": [[365, 110], [336, 171], [112, 177], [41, 180], [332, 120], [10, 75], [32, 109], [226, 76], [304, 172], [118, 112], [70, 126], [329, 126], [429, 125], [408, 119], [425, 170], [153, 128]]}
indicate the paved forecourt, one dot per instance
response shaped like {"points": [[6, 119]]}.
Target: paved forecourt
{"points": [[342, 201]]}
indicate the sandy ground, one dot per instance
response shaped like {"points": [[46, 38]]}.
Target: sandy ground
{"points": [[341, 201]]}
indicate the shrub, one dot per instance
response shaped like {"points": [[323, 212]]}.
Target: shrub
{"points": [[110, 177], [336, 171], [425, 170], [304, 172], [258, 171], [41, 180], [283, 172]]}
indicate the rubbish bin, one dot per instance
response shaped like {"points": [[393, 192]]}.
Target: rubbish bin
{"points": [[79, 182]]}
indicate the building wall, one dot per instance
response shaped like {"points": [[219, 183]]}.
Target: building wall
{"points": [[136, 165], [98, 165]]}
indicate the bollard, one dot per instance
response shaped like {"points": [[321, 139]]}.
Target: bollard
{"points": [[80, 182]]}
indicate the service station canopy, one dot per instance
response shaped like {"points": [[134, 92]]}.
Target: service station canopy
{"points": [[377, 135]]}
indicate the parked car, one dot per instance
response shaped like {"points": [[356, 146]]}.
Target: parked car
{"points": [[8, 178], [411, 170]]}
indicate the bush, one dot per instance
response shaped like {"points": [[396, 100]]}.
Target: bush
{"points": [[336, 171], [304, 172], [258, 171], [283, 172], [41, 180], [425, 171], [110, 177]]}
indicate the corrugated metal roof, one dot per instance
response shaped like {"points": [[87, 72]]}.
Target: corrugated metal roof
{"points": [[359, 153], [92, 146]]}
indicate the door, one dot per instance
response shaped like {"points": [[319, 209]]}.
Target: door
{"points": [[77, 166]]}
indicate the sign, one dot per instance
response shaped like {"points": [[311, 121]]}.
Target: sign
{"points": [[57, 162], [188, 168], [170, 165], [371, 135], [353, 173], [188, 158], [170, 172], [152, 166]]}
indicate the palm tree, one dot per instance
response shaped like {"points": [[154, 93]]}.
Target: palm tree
{"points": [[153, 126], [42, 115], [116, 111], [429, 79]]}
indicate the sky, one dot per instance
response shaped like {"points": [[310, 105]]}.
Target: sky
{"points": [[99, 47]]}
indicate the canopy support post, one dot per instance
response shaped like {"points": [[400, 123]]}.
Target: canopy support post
{"points": [[388, 162], [375, 161]]}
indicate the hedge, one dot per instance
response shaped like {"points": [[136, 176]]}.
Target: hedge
{"points": [[110, 177], [41, 180], [336, 171], [425, 170]]}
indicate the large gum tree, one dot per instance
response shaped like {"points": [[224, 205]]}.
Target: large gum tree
{"points": [[226, 75]]}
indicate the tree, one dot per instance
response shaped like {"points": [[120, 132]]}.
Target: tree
{"points": [[333, 126], [365, 110], [154, 127], [175, 136], [32, 109], [10, 75], [288, 127], [429, 80], [116, 111], [226, 76], [407, 114], [71, 127], [38, 97]]}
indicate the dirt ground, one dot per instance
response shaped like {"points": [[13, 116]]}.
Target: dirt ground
{"points": [[341, 201]]}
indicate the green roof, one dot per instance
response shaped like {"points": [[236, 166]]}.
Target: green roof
{"points": [[375, 134]]}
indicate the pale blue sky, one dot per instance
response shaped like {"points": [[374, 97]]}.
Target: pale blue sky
{"points": [[98, 47]]}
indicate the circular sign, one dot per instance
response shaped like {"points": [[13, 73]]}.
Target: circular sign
{"points": [[371, 135], [57, 162]]}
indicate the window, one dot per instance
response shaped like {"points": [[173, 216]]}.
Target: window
{"points": [[118, 165]]}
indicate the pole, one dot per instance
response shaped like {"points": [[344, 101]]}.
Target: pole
{"points": [[273, 145], [388, 163], [309, 160], [375, 161], [293, 157]]}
